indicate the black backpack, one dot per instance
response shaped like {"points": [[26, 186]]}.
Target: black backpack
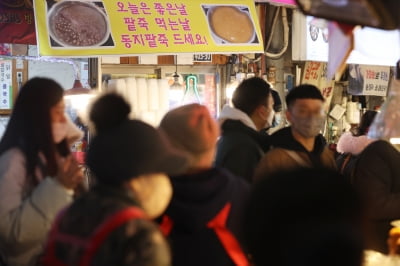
{"points": [[346, 163]]}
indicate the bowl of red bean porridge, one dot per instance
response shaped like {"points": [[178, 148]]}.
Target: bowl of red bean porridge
{"points": [[78, 24]]}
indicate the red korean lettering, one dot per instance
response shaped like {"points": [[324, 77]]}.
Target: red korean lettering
{"points": [[315, 65], [161, 23], [307, 75], [182, 9], [134, 9], [121, 7], [370, 74], [144, 8], [126, 40], [201, 39], [130, 22], [142, 22], [138, 39], [178, 39], [162, 39], [171, 9], [151, 40], [189, 39], [185, 24], [159, 8], [173, 25]]}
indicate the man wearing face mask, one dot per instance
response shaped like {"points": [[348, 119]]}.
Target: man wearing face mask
{"points": [[242, 144], [301, 144]]}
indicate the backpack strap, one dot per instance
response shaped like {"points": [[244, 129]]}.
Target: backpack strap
{"points": [[49, 257], [91, 244], [295, 156], [345, 162], [224, 235], [106, 228], [228, 240], [166, 225]]}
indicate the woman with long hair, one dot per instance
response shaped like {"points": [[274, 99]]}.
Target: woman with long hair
{"points": [[37, 173]]}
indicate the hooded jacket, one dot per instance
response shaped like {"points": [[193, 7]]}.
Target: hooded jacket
{"points": [[197, 199], [240, 146], [287, 153]]}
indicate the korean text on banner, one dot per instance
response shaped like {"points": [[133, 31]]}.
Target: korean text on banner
{"points": [[16, 22], [315, 73], [368, 80], [73, 28]]}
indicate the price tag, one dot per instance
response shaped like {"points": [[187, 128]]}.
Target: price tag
{"points": [[202, 58]]}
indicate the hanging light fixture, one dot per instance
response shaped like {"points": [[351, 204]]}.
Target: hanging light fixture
{"points": [[78, 98], [77, 89], [175, 93], [176, 85]]}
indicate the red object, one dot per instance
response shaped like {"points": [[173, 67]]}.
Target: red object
{"points": [[17, 25], [346, 28], [225, 236], [90, 244], [332, 147], [166, 225], [79, 156]]}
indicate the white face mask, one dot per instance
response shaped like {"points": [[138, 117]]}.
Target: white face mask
{"points": [[278, 118], [309, 127], [59, 131], [154, 192]]}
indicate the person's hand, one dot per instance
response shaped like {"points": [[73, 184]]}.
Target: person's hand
{"points": [[69, 172]]}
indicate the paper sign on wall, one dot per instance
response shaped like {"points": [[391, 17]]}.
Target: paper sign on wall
{"points": [[74, 27], [368, 80], [5, 84], [315, 73]]}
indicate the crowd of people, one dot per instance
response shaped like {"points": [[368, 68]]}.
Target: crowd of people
{"points": [[195, 190]]}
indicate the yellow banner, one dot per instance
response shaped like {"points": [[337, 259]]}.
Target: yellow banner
{"points": [[127, 27]]}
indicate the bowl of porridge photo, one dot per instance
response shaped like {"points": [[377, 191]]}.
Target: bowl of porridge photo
{"points": [[78, 24], [231, 24]]}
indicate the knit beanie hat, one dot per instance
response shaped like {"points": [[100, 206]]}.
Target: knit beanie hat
{"points": [[191, 128], [124, 149]]}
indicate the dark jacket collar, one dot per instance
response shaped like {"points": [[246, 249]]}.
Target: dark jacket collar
{"points": [[199, 197], [115, 192], [283, 138], [234, 126]]}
